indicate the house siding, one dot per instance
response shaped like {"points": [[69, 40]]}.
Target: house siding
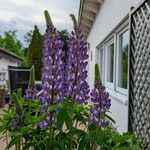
{"points": [[5, 61], [110, 14]]}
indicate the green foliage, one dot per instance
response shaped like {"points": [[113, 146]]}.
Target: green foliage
{"points": [[70, 131], [25, 62], [28, 37], [64, 36], [10, 42], [21, 110], [108, 139], [35, 52]]}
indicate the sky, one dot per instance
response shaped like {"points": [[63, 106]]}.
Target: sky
{"points": [[22, 15]]}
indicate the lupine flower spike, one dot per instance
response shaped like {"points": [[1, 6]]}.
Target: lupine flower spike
{"points": [[78, 89], [53, 72], [30, 93], [101, 101], [53, 66]]}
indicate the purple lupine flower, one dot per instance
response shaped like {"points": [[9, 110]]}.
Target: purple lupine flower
{"points": [[43, 124], [19, 119], [78, 89], [101, 104], [14, 125], [53, 74], [53, 71], [30, 93]]}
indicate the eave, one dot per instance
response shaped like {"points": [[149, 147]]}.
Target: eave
{"points": [[87, 14]]}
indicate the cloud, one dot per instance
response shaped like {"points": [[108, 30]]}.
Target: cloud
{"points": [[6, 16], [22, 15]]}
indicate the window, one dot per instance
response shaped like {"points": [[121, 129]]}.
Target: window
{"points": [[122, 60], [109, 64]]}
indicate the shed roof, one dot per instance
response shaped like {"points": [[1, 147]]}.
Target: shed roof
{"points": [[87, 14], [6, 52]]}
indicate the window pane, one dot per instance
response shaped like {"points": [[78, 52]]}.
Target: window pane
{"points": [[123, 59], [101, 62], [110, 66]]}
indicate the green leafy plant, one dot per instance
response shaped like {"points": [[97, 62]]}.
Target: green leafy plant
{"points": [[71, 131]]}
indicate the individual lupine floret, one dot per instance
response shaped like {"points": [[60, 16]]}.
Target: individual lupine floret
{"points": [[43, 124]]}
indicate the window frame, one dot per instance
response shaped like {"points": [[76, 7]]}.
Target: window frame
{"points": [[120, 89], [108, 84]]}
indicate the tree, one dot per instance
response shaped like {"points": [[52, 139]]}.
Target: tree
{"points": [[10, 42], [28, 37], [35, 52], [64, 35]]}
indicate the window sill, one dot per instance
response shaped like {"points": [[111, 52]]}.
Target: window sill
{"points": [[118, 96]]}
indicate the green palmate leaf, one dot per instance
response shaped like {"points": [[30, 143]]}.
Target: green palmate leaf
{"points": [[14, 97], [58, 146], [34, 106], [64, 116], [60, 119], [78, 132], [17, 97], [8, 113], [68, 108], [67, 119], [19, 93], [53, 107], [82, 144], [79, 117]]}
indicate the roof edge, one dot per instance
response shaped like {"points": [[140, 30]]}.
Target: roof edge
{"points": [[88, 12], [4, 51]]}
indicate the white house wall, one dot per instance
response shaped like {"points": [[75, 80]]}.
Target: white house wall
{"points": [[110, 14]]}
